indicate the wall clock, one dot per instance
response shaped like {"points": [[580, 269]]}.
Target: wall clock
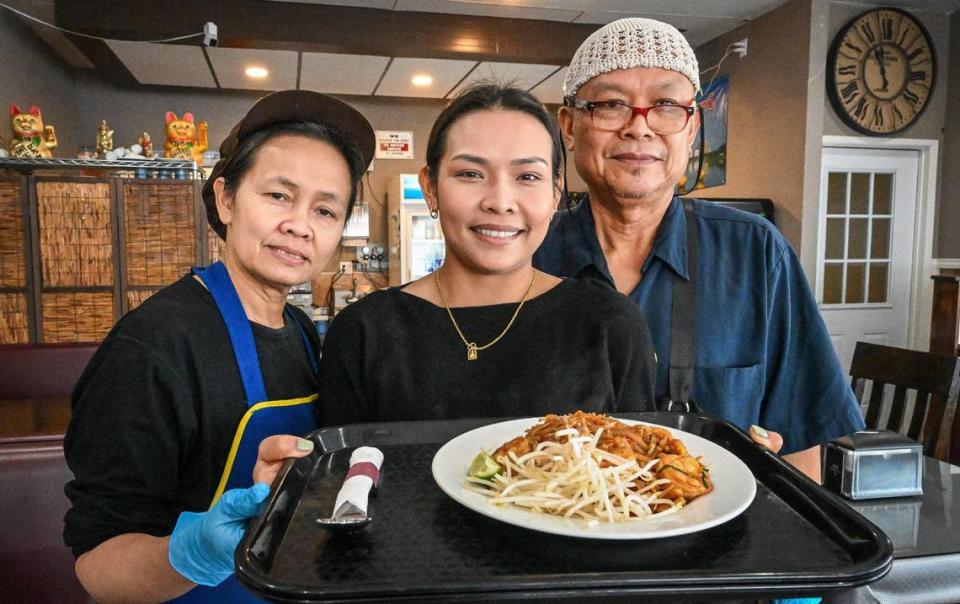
{"points": [[881, 69]]}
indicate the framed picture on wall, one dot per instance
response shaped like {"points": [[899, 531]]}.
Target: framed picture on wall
{"points": [[713, 103]]}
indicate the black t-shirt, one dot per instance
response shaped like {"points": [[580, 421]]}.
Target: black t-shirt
{"points": [[393, 356], [155, 412]]}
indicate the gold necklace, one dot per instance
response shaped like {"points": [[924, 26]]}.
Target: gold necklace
{"points": [[472, 348]]}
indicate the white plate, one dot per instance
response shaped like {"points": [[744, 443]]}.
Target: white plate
{"points": [[733, 488]]}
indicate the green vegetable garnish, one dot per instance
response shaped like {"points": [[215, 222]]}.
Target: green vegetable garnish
{"points": [[484, 466]]}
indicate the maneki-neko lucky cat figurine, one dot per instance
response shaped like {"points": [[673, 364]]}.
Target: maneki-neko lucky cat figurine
{"points": [[31, 140], [184, 139]]}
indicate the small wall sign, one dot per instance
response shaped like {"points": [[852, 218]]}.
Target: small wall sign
{"points": [[394, 145]]}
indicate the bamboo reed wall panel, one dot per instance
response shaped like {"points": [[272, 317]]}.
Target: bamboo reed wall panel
{"points": [[14, 326], [76, 235], [103, 244], [77, 316], [12, 262], [136, 297], [214, 246], [160, 232]]}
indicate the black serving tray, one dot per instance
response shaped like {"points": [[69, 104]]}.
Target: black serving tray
{"points": [[795, 539]]}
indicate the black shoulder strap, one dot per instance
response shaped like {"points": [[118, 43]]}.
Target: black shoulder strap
{"points": [[683, 322]]}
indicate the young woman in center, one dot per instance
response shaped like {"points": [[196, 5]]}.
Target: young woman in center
{"points": [[487, 335]]}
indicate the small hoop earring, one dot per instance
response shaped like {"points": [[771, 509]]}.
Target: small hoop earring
{"points": [[434, 214]]}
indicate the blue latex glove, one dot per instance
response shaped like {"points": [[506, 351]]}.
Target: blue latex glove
{"points": [[202, 544]]}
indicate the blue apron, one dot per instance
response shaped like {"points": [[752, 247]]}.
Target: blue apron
{"points": [[263, 418]]}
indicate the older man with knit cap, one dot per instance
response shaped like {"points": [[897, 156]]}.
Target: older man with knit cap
{"points": [[735, 326]]}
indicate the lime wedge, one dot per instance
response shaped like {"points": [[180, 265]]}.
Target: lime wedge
{"points": [[484, 466]]}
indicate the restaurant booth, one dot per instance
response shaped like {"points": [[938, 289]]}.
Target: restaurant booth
{"points": [[86, 237]]}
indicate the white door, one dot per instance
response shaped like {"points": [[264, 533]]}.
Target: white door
{"points": [[865, 258]]}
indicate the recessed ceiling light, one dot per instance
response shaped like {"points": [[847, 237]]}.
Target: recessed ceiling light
{"points": [[256, 72], [421, 80]]}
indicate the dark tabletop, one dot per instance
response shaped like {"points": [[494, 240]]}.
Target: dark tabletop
{"points": [[925, 525], [925, 531]]}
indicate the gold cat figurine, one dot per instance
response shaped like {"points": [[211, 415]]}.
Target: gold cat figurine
{"points": [[31, 139], [184, 139]]}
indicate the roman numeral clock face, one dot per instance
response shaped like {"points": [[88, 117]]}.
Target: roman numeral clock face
{"points": [[881, 72]]}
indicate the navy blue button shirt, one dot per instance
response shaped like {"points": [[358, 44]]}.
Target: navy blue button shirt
{"points": [[762, 351]]}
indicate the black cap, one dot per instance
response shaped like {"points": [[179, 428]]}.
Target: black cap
{"points": [[289, 106]]}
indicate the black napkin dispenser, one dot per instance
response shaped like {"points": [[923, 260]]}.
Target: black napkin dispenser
{"points": [[872, 464]]}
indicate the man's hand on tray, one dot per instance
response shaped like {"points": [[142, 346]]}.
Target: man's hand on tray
{"points": [[766, 438], [807, 461]]}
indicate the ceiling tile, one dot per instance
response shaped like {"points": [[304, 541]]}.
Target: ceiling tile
{"points": [[341, 74], [381, 4], [714, 28], [651, 8], [594, 11], [699, 21], [700, 30], [546, 11], [446, 74], [229, 64], [522, 75], [551, 89], [164, 64]]}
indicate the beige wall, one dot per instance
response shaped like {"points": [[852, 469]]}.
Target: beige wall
{"points": [[813, 147], [933, 124], [766, 123], [395, 114], [776, 152], [930, 124], [947, 244], [31, 74]]}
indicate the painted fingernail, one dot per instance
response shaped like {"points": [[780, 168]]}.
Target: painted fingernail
{"points": [[759, 431], [304, 445]]}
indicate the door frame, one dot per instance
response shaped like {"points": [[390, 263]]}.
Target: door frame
{"points": [[923, 264]]}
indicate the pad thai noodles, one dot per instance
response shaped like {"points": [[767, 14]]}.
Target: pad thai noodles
{"points": [[593, 467]]}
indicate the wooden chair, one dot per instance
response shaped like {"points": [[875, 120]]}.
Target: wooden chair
{"points": [[945, 314], [936, 381]]}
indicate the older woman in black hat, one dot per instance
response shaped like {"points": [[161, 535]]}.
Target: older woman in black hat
{"points": [[168, 416]]}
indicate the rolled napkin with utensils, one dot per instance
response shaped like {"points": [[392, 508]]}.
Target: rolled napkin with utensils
{"points": [[350, 507]]}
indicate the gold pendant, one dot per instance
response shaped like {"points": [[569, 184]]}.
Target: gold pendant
{"points": [[471, 351]]}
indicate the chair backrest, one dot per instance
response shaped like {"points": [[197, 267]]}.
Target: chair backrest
{"points": [[38, 371], [37, 566], [935, 379], [36, 384]]}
